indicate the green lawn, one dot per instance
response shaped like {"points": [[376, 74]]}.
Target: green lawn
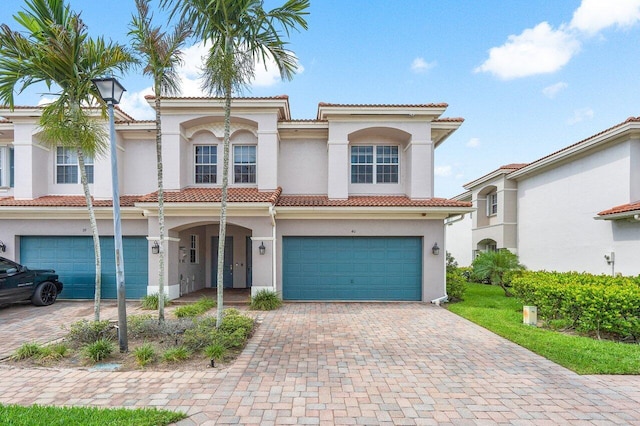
{"points": [[37, 415], [487, 306]]}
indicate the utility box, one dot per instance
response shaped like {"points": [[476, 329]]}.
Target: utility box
{"points": [[530, 315]]}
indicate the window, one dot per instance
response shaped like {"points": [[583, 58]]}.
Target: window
{"points": [[492, 247], [3, 166], [492, 204], [244, 164], [206, 163], [364, 163], [193, 249], [67, 167]]}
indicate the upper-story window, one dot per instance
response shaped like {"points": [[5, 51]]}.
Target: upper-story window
{"points": [[244, 164], [374, 164], [3, 166], [206, 164], [492, 204], [67, 167]]}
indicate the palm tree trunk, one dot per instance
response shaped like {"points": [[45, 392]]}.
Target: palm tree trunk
{"points": [[160, 206], [96, 236]]}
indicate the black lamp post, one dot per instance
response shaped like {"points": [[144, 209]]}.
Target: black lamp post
{"points": [[111, 91]]}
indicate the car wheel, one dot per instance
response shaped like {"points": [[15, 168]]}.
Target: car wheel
{"points": [[45, 294]]}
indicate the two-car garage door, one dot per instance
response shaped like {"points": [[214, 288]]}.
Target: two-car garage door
{"points": [[73, 260], [352, 268]]}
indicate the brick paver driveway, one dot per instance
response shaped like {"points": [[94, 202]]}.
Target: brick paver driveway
{"points": [[317, 363]]}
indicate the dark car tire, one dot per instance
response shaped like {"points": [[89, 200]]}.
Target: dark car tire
{"points": [[46, 293]]}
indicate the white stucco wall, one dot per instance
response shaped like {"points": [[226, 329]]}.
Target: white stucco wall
{"points": [[458, 242], [303, 166], [556, 210]]}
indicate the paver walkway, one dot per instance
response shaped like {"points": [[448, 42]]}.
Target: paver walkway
{"points": [[317, 363]]}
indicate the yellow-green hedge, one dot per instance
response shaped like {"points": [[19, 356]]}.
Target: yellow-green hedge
{"points": [[589, 303]]}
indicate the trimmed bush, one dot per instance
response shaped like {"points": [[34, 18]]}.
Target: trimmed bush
{"points": [[456, 281], [150, 301], [85, 331], [195, 309], [265, 300]]}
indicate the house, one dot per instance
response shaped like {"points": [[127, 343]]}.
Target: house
{"points": [[577, 209], [340, 207]]}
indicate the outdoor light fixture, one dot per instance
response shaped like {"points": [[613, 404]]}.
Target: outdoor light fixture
{"points": [[435, 249], [111, 91], [262, 248], [3, 247], [155, 249]]}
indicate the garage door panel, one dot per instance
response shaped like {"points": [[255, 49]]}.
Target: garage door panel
{"points": [[352, 268]]}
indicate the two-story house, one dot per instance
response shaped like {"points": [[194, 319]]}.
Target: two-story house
{"points": [[341, 207], [577, 209]]}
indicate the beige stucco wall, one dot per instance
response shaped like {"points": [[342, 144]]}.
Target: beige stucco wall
{"points": [[303, 166]]}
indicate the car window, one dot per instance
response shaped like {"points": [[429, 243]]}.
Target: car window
{"points": [[7, 267]]}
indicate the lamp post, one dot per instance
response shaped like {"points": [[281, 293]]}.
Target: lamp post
{"points": [[111, 91]]}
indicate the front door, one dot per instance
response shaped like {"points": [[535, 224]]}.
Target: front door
{"points": [[227, 272]]}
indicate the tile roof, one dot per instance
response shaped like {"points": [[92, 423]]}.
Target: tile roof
{"points": [[218, 98], [365, 201], [65, 201], [624, 208], [328, 104], [214, 195], [513, 167]]}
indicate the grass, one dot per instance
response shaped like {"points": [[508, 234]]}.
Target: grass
{"points": [[487, 306], [191, 310], [37, 415]]}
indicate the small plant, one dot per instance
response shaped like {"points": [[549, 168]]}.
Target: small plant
{"points": [[98, 350], [498, 266], [150, 301], [144, 354], [179, 353], [54, 352], [27, 350], [266, 300], [85, 331], [216, 351], [201, 334], [456, 281], [195, 309]]}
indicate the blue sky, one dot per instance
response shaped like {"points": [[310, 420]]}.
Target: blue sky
{"points": [[528, 76]]}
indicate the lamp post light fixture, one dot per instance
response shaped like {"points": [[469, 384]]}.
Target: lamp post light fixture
{"points": [[111, 91], [155, 248], [3, 247], [435, 249], [262, 249]]}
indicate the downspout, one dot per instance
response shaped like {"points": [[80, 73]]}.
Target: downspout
{"points": [[272, 212], [457, 219]]}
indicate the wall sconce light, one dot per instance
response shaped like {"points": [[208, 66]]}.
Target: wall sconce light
{"points": [[3, 247], [262, 248], [435, 249], [155, 249]]}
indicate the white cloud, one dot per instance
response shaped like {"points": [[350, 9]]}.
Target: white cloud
{"points": [[473, 143], [537, 50], [442, 171], [419, 65], [135, 105], [595, 15], [551, 91], [580, 115]]}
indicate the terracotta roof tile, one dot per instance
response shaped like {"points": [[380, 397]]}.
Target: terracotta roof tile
{"points": [[449, 120], [621, 209], [149, 97], [214, 195], [65, 201], [366, 201], [328, 104]]}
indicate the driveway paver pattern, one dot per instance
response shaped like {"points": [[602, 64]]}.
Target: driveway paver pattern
{"points": [[363, 363]]}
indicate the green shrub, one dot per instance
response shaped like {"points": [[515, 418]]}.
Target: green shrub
{"points": [[233, 320], [265, 300], [145, 354], [216, 351], [27, 350], [177, 354], [497, 266], [148, 326], [84, 331], [456, 281], [150, 301], [98, 350], [200, 334], [54, 352], [195, 309]]}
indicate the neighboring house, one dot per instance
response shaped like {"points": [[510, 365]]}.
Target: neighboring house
{"points": [[577, 209], [337, 208]]}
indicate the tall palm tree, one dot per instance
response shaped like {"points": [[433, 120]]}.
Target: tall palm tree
{"points": [[54, 48], [237, 34], [161, 54]]}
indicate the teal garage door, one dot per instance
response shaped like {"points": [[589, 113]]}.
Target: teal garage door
{"points": [[73, 260], [352, 268]]}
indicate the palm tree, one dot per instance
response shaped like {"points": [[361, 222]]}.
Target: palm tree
{"points": [[55, 48], [161, 54], [238, 33], [497, 266]]}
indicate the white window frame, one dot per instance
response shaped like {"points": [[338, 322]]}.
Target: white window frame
{"points": [[193, 249], [196, 164], [492, 204], [4, 166], [254, 164], [88, 162], [375, 164]]}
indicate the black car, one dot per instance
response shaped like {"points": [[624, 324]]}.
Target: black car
{"points": [[19, 283]]}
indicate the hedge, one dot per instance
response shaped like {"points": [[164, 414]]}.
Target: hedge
{"points": [[592, 304]]}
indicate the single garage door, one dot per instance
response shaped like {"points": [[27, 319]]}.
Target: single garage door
{"points": [[352, 268], [73, 260]]}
